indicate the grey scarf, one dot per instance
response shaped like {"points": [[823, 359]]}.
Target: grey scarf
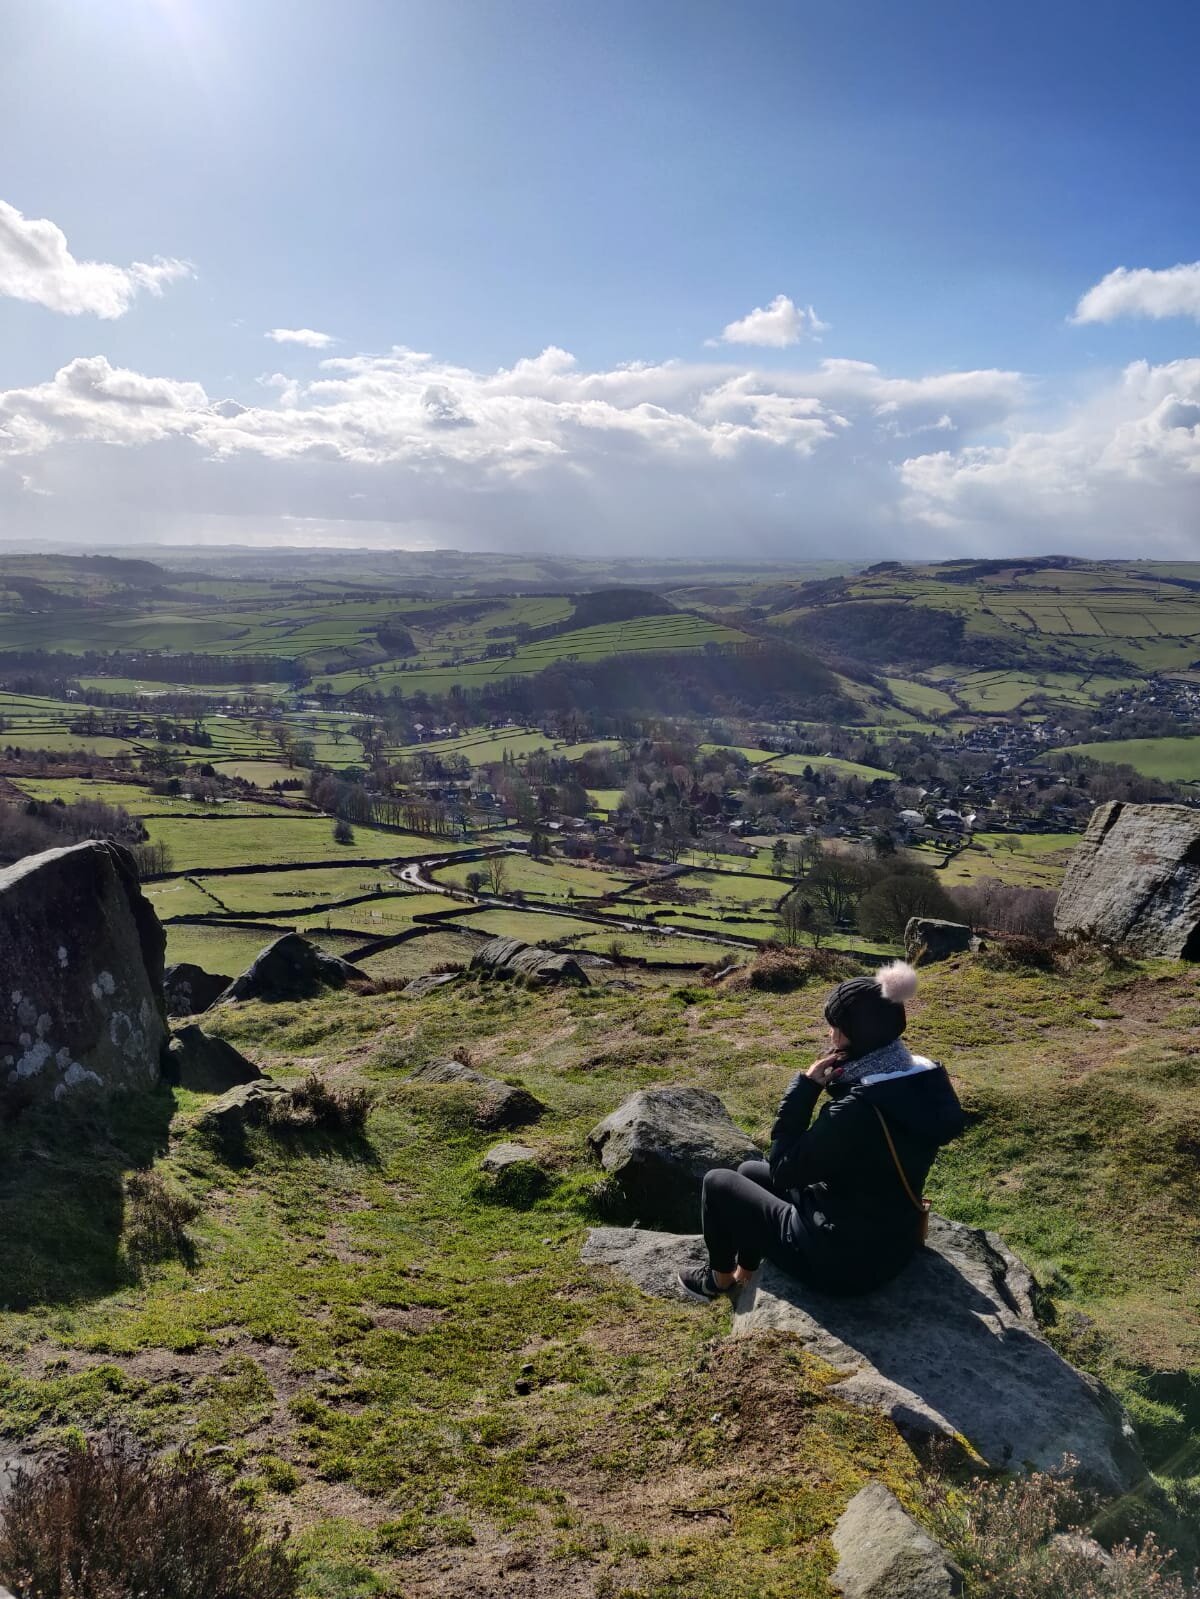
{"points": [[892, 1060]]}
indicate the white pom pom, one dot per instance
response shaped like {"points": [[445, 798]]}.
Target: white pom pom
{"points": [[898, 981]]}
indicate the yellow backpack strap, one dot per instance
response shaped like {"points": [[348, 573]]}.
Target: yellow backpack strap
{"points": [[921, 1206]]}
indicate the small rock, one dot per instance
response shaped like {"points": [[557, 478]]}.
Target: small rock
{"points": [[427, 984], [883, 1553], [523, 1385], [500, 1104], [1083, 1549], [248, 1105], [207, 1065], [501, 1156], [651, 1260], [658, 1145]]}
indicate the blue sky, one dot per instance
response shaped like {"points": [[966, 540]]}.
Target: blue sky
{"points": [[480, 180]]}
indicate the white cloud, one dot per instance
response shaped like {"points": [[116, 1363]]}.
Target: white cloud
{"points": [[306, 336], [691, 456], [36, 265], [1141, 291], [775, 326], [1120, 472]]}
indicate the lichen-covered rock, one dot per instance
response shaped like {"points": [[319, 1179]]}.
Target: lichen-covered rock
{"points": [[883, 1553], [1134, 879], [291, 968], [658, 1145], [81, 963], [929, 938], [518, 959], [950, 1347], [189, 989], [207, 1065], [500, 1104]]}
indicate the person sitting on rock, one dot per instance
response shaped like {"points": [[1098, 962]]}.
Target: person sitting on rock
{"points": [[836, 1203]]}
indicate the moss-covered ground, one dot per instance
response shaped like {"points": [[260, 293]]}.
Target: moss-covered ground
{"points": [[423, 1380]]}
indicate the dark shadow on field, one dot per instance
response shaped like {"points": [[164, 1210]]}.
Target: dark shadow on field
{"points": [[62, 1195]]}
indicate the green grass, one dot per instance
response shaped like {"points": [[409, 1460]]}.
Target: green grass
{"points": [[231, 949], [921, 697], [204, 843], [1034, 860], [1176, 760], [137, 800], [794, 765], [545, 879]]}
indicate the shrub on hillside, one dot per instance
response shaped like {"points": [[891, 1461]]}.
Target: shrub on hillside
{"points": [[314, 1103], [910, 890], [780, 971], [108, 1523], [156, 1219], [1022, 952], [1024, 1538]]}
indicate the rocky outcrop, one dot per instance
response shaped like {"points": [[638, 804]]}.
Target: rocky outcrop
{"points": [[207, 1065], [928, 939], [500, 1104], [537, 965], [189, 989], [291, 968], [81, 952], [658, 1145], [1134, 879], [950, 1347], [883, 1553]]}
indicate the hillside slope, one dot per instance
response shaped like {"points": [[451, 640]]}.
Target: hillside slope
{"points": [[440, 1398]]}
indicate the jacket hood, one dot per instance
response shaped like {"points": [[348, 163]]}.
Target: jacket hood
{"points": [[922, 1101]]}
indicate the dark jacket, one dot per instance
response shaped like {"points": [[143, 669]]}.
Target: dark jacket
{"points": [[857, 1226]]}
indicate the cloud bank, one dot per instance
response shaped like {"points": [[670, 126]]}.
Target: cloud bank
{"points": [[37, 266]]}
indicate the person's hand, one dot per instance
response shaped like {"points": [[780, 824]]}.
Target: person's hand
{"points": [[822, 1070]]}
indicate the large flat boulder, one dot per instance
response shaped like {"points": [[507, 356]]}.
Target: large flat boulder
{"points": [[189, 989], [531, 961], [81, 952], [291, 968], [500, 1105], [1134, 879], [883, 1553], [951, 1347], [658, 1145]]}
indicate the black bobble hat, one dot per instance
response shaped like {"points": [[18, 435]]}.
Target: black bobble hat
{"points": [[870, 1010]]}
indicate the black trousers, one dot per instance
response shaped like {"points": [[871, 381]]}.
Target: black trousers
{"points": [[744, 1220]]}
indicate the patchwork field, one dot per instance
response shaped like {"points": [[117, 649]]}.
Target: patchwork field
{"points": [[1175, 759]]}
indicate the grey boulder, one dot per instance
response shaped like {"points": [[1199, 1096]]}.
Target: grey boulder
{"points": [[512, 956], [950, 1347], [658, 1145], [428, 983], [81, 951], [929, 938], [247, 1105], [883, 1553], [293, 967], [500, 1157], [650, 1260], [1134, 879], [499, 1104], [207, 1065], [189, 989]]}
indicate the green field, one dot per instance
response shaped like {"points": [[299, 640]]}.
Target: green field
{"points": [[200, 844], [793, 766], [547, 879], [1176, 760], [138, 800]]}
